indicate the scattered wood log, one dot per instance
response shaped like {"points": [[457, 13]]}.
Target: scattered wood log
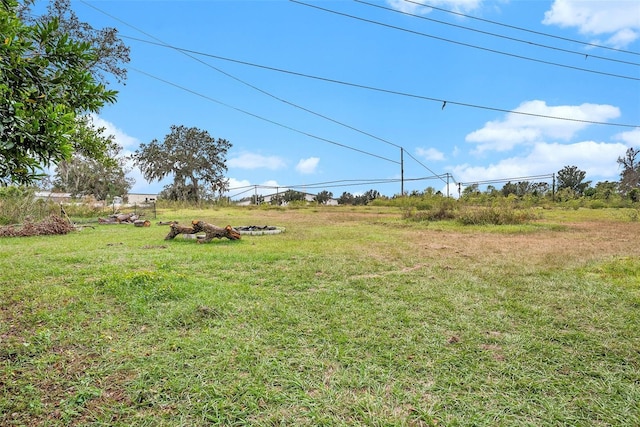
{"points": [[129, 218], [256, 228], [107, 221], [211, 231], [142, 223], [177, 229]]}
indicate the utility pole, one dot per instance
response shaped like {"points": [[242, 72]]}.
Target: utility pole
{"points": [[401, 171], [448, 194]]}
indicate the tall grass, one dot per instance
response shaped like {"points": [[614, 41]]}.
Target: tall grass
{"points": [[18, 203]]}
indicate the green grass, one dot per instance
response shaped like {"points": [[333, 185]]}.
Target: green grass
{"points": [[350, 317]]}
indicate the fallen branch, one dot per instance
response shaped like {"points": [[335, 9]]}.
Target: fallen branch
{"points": [[177, 229], [211, 231]]}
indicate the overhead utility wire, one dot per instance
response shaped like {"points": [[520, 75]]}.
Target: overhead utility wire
{"points": [[517, 179], [499, 52], [246, 83], [262, 118], [258, 89], [583, 54], [329, 184], [186, 53], [524, 29], [388, 91]]}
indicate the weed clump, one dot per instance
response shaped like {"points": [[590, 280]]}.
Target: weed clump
{"points": [[471, 215], [494, 216]]}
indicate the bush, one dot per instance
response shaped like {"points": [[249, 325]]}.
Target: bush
{"points": [[431, 210], [494, 216]]}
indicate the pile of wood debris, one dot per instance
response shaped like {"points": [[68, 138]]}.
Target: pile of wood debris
{"points": [[51, 225]]}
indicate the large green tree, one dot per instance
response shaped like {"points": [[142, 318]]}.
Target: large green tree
{"points": [[47, 86], [572, 178], [196, 160], [83, 175], [630, 175]]}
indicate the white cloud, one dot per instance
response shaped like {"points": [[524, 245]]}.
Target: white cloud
{"points": [[597, 159], [631, 138], [127, 142], [256, 161], [271, 183], [515, 129], [308, 166], [238, 184], [455, 5], [621, 19], [430, 154]]}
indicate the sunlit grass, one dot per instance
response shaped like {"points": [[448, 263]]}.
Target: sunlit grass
{"points": [[350, 317]]}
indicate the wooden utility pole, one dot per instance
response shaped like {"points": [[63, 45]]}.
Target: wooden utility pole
{"points": [[401, 171]]}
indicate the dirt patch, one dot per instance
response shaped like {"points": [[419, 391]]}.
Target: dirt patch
{"points": [[579, 243]]}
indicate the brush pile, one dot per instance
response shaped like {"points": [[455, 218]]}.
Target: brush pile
{"points": [[51, 225]]}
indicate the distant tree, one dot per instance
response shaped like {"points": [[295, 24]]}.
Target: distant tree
{"points": [[605, 190], [257, 199], [523, 188], [48, 83], [539, 189], [277, 199], [371, 195], [630, 175], [429, 191], [509, 188], [471, 190], [323, 197], [492, 191], [293, 196], [346, 199], [572, 178], [82, 176], [196, 161]]}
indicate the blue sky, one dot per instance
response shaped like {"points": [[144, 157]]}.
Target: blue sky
{"points": [[333, 92]]}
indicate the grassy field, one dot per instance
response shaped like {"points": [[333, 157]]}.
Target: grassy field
{"points": [[353, 316]]}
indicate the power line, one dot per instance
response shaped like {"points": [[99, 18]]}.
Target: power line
{"points": [[331, 184], [523, 29], [513, 55], [262, 118], [388, 91], [582, 54], [255, 87], [185, 52], [517, 179]]}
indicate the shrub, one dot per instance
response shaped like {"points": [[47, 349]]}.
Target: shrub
{"points": [[494, 216]]}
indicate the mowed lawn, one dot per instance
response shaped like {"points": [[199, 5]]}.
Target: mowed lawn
{"points": [[353, 316]]}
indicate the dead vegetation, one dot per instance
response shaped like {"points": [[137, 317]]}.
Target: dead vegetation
{"points": [[51, 225]]}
